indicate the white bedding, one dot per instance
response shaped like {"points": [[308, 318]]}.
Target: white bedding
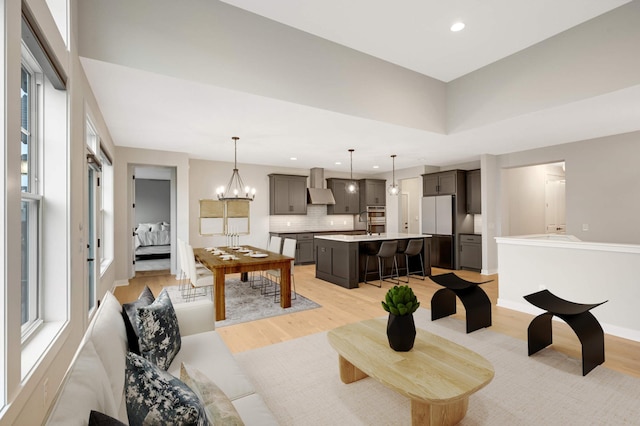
{"points": [[152, 234]]}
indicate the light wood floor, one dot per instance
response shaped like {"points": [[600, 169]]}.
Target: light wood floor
{"points": [[340, 306]]}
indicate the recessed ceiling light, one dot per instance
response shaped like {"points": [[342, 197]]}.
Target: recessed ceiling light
{"points": [[293, 158], [338, 163], [458, 26], [376, 167]]}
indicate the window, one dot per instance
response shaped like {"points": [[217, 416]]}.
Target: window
{"points": [[105, 213], [31, 199], [92, 205]]}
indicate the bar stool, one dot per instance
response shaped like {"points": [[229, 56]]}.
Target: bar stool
{"points": [[414, 248], [387, 251], [369, 249]]}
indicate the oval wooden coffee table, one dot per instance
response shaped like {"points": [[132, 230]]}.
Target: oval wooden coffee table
{"points": [[437, 374]]}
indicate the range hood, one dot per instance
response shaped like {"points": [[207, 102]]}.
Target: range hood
{"points": [[317, 193]]}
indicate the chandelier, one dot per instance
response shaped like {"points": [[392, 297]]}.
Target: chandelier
{"points": [[352, 186], [235, 190], [393, 188]]}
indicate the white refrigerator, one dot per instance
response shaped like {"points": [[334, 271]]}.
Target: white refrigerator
{"points": [[437, 220]]}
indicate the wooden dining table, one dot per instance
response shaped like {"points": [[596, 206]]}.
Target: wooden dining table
{"points": [[244, 264]]}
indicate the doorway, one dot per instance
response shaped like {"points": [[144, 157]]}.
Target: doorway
{"points": [[408, 216], [153, 218], [534, 200]]}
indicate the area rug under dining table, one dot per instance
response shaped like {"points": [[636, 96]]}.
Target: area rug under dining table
{"points": [[245, 303], [300, 382]]}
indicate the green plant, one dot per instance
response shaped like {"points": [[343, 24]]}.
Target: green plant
{"points": [[400, 300]]}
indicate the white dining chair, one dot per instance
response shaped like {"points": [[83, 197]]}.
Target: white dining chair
{"points": [[274, 244], [199, 278], [288, 249]]}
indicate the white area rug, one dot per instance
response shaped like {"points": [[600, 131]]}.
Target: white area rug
{"points": [[299, 381], [245, 303]]}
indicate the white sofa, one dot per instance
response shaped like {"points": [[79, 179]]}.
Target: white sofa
{"points": [[96, 377]]}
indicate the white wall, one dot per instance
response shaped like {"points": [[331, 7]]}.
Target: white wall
{"points": [[525, 193], [576, 271]]}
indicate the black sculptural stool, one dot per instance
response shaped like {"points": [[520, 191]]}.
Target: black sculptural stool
{"points": [[577, 315], [475, 300]]}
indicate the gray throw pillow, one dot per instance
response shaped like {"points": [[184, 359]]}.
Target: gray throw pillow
{"points": [[158, 331], [155, 397], [130, 317], [97, 418]]}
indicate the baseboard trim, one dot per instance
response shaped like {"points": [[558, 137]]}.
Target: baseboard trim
{"points": [[121, 283]]}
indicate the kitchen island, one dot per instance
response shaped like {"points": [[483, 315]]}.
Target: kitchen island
{"points": [[341, 259]]}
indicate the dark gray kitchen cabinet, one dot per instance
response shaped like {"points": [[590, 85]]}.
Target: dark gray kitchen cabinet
{"points": [[373, 192], [287, 194], [346, 203], [304, 248], [471, 252], [440, 183], [474, 205]]}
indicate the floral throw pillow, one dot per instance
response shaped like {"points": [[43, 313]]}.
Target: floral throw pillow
{"points": [[158, 332], [155, 397], [130, 316], [220, 409]]}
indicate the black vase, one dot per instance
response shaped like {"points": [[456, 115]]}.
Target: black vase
{"points": [[401, 332]]}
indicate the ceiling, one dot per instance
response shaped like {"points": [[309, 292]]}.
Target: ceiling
{"points": [[414, 34]]}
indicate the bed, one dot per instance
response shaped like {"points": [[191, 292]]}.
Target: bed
{"points": [[153, 240]]}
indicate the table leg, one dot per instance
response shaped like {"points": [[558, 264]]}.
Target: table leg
{"points": [[349, 373], [285, 285], [429, 414], [218, 290]]}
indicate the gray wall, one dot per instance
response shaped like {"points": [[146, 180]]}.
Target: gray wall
{"points": [[592, 59], [215, 43], [602, 191], [153, 201]]}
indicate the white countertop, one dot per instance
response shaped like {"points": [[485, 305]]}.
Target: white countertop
{"points": [[374, 237]]}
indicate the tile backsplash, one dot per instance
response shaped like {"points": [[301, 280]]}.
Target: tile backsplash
{"points": [[316, 219], [477, 224]]}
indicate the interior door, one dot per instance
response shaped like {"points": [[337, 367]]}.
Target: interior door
{"points": [[132, 220], [404, 213], [91, 234], [555, 204]]}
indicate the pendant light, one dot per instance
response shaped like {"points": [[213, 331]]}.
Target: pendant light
{"points": [[393, 188], [236, 190], [352, 186]]}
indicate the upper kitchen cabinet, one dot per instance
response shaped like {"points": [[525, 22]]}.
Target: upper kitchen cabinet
{"points": [[442, 183], [474, 205], [346, 203], [287, 194], [372, 193]]}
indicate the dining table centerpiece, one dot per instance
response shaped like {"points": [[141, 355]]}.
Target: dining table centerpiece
{"points": [[401, 303]]}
